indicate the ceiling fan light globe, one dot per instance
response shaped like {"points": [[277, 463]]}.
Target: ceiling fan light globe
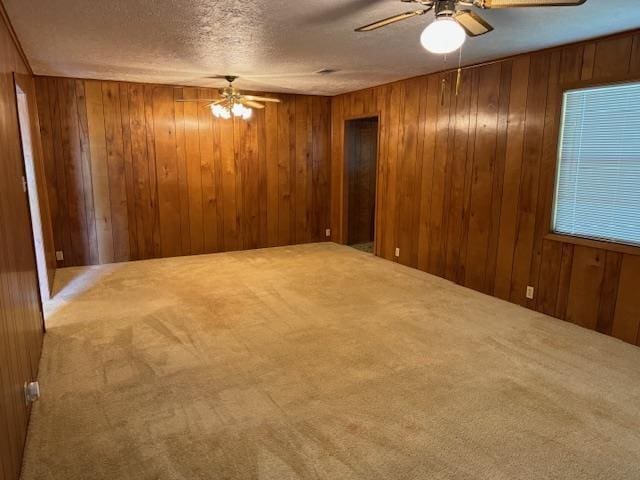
{"points": [[217, 111], [237, 109], [442, 36], [247, 113]]}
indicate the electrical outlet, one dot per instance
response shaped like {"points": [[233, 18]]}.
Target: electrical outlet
{"points": [[31, 392], [327, 232], [397, 251], [530, 292], [59, 255]]}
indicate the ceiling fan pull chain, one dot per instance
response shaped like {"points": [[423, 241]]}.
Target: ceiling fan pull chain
{"points": [[459, 76]]}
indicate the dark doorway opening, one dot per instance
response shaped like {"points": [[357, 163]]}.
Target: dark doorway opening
{"points": [[361, 159]]}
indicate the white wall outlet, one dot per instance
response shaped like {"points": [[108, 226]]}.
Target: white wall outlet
{"points": [[59, 255], [530, 292], [31, 392], [327, 232], [397, 251]]}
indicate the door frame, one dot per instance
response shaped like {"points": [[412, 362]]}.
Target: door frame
{"points": [[344, 223], [35, 187]]}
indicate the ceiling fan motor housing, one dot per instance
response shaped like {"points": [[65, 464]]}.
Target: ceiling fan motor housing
{"points": [[445, 8]]}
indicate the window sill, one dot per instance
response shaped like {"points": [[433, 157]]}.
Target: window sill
{"points": [[600, 244]]}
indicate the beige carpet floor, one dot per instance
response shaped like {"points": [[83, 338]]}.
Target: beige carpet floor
{"points": [[320, 362]]}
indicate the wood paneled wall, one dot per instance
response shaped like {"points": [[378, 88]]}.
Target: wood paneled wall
{"points": [[133, 174], [21, 326], [465, 182]]}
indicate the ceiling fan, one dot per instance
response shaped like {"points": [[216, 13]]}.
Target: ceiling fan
{"points": [[454, 22], [232, 103]]}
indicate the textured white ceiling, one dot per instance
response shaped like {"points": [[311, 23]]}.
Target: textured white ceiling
{"points": [[277, 45]]}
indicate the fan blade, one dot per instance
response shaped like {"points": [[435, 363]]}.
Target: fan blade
{"points": [[215, 102], [527, 3], [345, 8], [251, 103], [387, 21], [261, 99], [472, 23]]}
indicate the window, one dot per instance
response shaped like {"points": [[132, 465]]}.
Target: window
{"points": [[598, 184]]}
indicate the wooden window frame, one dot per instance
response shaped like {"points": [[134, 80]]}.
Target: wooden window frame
{"points": [[575, 239]]}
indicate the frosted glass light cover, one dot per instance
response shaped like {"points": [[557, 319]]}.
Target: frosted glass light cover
{"points": [[444, 35]]}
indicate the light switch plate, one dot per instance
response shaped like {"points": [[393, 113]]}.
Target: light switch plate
{"points": [[530, 292], [327, 232], [59, 255], [397, 251]]}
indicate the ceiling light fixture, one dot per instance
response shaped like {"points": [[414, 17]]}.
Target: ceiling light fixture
{"points": [[442, 36], [233, 103], [227, 111]]}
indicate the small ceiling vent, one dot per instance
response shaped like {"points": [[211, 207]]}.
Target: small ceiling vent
{"points": [[326, 71]]}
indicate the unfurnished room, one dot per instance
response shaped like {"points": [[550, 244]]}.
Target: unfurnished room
{"points": [[320, 240]]}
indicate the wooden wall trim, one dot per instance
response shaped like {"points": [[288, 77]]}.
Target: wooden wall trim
{"points": [[466, 181], [599, 244], [14, 37]]}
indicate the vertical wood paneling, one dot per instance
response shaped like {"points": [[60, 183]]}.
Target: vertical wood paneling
{"points": [[207, 175], [476, 168], [286, 156], [609, 292], [439, 188], [86, 173], [73, 166], [271, 153], [99, 176], [303, 170], [153, 228], [482, 175], [612, 57], [116, 170], [408, 175], [128, 170], [512, 174], [465, 115], [140, 169], [498, 176], [586, 283], [183, 184], [321, 118], [529, 180], [61, 223], [428, 153], [20, 310], [167, 172], [626, 322], [193, 171], [135, 174]]}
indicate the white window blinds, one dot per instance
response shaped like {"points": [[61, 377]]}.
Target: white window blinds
{"points": [[598, 183]]}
